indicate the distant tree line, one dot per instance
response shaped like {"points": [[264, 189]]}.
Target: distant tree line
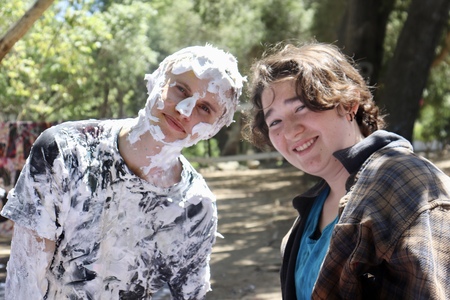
{"points": [[87, 58]]}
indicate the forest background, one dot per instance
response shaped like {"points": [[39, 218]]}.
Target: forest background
{"points": [[86, 59]]}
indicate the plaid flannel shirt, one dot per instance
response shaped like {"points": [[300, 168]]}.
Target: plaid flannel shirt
{"points": [[392, 240]]}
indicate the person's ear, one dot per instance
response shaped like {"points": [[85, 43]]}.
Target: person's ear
{"points": [[354, 108], [351, 113]]}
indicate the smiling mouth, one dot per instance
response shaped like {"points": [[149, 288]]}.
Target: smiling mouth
{"points": [[174, 123], [306, 145]]}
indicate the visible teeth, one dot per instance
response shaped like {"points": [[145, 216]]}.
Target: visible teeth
{"points": [[305, 145]]}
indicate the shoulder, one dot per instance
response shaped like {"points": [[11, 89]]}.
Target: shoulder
{"points": [[78, 133], [44, 151], [56, 132], [400, 166], [401, 180], [52, 142]]}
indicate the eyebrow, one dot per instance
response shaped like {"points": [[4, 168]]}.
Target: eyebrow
{"points": [[286, 102]]}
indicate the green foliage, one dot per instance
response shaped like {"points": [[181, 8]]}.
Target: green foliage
{"points": [[87, 58], [209, 148], [11, 12], [434, 121], [396, 20], [79, 65]]}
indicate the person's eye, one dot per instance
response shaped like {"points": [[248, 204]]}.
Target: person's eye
{"points": [[300, 108], [205, 108], [183, 90], [273, 123]]}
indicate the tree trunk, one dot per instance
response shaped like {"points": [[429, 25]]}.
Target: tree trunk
{"points": [[362, 34], [19, 29], [408, 71]]}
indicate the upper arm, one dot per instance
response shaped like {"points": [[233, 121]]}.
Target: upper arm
{"points": [[39, 193], [421, 256], [27, 241]]}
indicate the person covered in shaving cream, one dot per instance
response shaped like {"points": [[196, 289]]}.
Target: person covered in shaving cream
{"points": [[110, 209]]}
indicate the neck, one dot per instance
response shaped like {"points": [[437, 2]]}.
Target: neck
{"points": [[337, 182], [149, 159], [331, 206]]}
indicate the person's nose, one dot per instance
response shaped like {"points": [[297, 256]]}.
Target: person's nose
{"points": [[185, 117], [292, 128], [185, 108]]}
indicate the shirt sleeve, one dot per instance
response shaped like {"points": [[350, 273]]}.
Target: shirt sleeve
{"points": [[418, 227], [34, 201], [421, 256], [27, 264]]}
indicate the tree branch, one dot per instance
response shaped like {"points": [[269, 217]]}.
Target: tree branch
{"points": [[19, 29]]}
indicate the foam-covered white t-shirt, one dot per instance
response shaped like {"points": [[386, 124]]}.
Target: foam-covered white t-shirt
{"points": [[117, 236]]}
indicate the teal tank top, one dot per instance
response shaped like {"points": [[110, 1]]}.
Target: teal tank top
{"points": [[312, 249]]}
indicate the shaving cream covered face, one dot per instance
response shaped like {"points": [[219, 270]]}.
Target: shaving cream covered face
{"points": [[206, 62]]}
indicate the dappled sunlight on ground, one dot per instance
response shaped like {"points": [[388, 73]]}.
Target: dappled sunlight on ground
{"points": [[254, 214]]}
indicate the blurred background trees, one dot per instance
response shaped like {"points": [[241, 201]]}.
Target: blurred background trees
{"points": [[87, 58]]}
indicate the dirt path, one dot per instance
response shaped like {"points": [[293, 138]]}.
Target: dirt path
{"points": [[254, 213]]}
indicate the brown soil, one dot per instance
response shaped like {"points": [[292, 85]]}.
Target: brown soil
{"points": [[254, 214]]}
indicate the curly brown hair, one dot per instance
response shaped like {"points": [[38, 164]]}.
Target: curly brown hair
{"points": [[324, 78]]}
